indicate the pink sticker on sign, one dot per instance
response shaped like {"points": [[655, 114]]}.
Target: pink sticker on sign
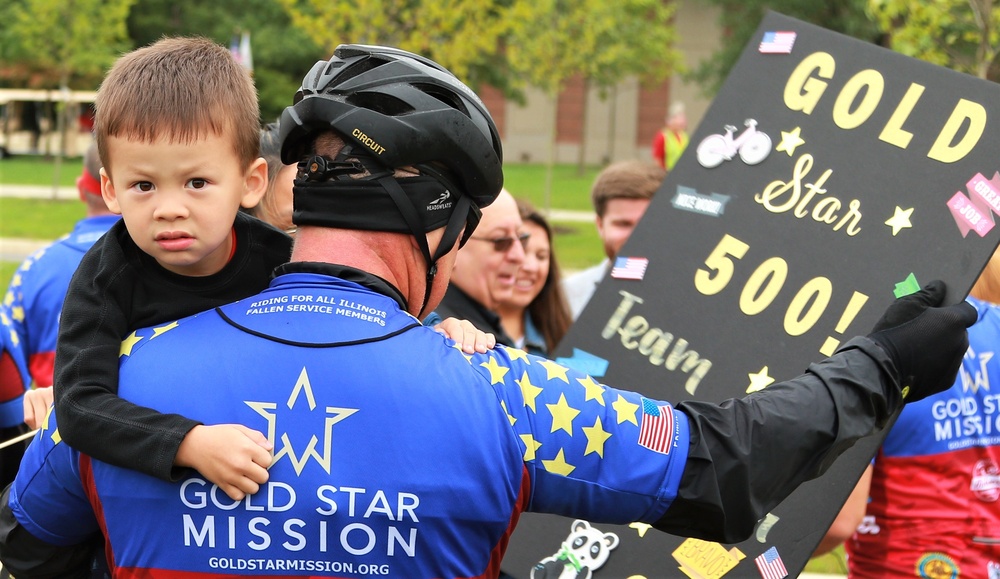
{"points": [[975, 211]]}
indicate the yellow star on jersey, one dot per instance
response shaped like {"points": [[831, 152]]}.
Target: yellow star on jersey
{"points": [[558, 465], [503, 404], [14, 339], [516, 354], [592, 390], [468, 357], [555, 370], [529, 391], [641, 528], [759, 381], [789, 141], [4, 319], [596, 437], [497, 372], [626, 410], [16, 280], [128, 343], [17, 312], [900, 220], [163, 329], [530, 446], [562, 415], [8, 299]]}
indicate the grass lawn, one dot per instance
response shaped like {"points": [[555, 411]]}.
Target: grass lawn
{"points": [[39, 170]]}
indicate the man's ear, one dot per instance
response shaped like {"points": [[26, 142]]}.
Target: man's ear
{"points": [[108, 192], [255, 184]]}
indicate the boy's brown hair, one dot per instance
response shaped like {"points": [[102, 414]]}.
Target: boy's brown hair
{"points": [[626, 180], [181, 88]]}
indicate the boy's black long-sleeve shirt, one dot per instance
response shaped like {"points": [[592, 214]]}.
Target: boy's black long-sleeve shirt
{"points": [[119, 288]]}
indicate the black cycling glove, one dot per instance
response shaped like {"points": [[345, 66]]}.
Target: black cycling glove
{"points": [[926, 342]]}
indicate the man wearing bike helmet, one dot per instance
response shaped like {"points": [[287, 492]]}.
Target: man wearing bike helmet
{"points": [[395, 453]]}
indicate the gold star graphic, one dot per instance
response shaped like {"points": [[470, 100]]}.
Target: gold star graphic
{"points": [[641, 528], [530, 446], [468, 357], [516, 354], [129, 343], [496, 371], [562, 415], [759, 381], [163, 329], [555, 370], [626, 410], [528, 391], [900, 220], [593, 390], [503, 404], [558, 465], [17, 312], [596, 437], [789, 141]]}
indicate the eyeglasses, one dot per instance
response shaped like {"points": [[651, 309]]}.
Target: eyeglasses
{"points": [[503, 244]]}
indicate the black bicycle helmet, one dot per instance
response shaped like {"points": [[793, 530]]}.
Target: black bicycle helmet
{"points": [[393, 109]]}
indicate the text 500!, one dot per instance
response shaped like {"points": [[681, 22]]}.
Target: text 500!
{"points": [[764, 285]]}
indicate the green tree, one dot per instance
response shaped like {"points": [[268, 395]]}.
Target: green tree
{"points": [[63, 43], [961, 34], [740, 18]]}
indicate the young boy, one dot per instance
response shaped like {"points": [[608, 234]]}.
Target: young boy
{"points": [[178, 133]]}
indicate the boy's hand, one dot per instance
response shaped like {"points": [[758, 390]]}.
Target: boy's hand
{"points": [[469, 337], [37, 402], [230, 455]]}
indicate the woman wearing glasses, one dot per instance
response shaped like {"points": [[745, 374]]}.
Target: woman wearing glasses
{"points": [[536, 315]]}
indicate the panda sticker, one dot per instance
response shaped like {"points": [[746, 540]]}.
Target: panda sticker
{"points": [[583, 552]]}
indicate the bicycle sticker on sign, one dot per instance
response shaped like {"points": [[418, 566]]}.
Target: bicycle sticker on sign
{"points": [[753, 146]]}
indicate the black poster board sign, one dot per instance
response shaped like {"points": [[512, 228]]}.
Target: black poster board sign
{"points": [[828, 176]]}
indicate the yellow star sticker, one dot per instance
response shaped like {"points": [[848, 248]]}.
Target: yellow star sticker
{"points": [[530, 446], [163, 329], [759, 381], [555, 370], [626, 410], [496, 371], [789, 141], [562, 415], [529, 391], [593, 390], [596, 437], [129, 343], [17, 312], [641, 528], [503, 404], [516, 354], [900, 220], [558, 465]]}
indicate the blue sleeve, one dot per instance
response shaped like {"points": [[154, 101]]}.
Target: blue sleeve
{"points": [[591, 451], [48, 497]]}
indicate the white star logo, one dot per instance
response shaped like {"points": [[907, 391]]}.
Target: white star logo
{"points": [[334, 415]]}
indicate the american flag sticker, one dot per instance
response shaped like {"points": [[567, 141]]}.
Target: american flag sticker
{"points": [[657, 430], [769, 564], [777, 43], [629, 268]]}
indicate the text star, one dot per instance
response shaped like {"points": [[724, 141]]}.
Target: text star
{"points": [[626, 410], [562, 415], [496, 371], [558, 465], [596, 437], [789, 141], [759, 381], [528, 391], [900, 220]]}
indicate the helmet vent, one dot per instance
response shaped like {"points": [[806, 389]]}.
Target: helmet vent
{"points": [[382, 103]]}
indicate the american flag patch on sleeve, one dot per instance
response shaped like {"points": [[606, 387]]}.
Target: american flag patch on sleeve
{"points": [[657, 430]]}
